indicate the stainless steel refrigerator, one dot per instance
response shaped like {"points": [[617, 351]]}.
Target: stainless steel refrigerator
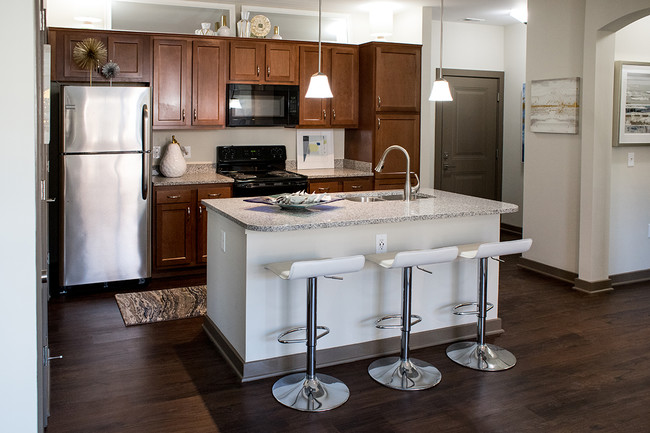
{"points": [[105, 163]]}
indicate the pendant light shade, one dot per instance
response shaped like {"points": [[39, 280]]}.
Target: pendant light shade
{"points": [[319, 86], [440, 90]]}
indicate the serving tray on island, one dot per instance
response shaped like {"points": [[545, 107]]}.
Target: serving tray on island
{"points": [[273, 200]]}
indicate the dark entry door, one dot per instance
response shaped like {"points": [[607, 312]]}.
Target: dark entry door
{"points": [[469, 136]]}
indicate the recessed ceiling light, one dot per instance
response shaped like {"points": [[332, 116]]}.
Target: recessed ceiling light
{"points": [[473, 20], [88, 19]]}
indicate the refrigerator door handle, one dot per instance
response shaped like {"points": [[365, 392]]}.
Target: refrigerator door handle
{"points": [[146, 138]]}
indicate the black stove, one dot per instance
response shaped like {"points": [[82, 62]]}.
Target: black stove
{"points": [[258, 170]]}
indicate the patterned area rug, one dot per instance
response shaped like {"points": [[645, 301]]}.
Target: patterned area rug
{"points": [[159, 305]]}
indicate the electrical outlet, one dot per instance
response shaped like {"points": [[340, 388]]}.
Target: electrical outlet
{"points": [[156, 152], [223, 241], [187, 152], [381, 244]]}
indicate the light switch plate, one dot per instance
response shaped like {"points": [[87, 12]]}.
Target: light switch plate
{"points": [[156, 152], [630, 159]]}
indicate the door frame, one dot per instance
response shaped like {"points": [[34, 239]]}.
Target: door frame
{"points": [[466, 73]]}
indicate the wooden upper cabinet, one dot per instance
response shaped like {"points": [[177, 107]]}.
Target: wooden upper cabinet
{"points": [[171, 82], [209, 83], [344, 80], [397, 82], [341, 65], [263, 62], [313, 111], [129, 50]]}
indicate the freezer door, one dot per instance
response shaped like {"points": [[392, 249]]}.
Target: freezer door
{"points": [[105, 219], [104, 119]]}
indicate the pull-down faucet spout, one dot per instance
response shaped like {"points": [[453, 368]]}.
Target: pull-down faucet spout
{"points": [[408, 191]]}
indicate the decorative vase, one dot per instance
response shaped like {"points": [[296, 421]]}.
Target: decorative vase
{"points": [[276, 33], [223, 30], [204, 30], [173, 163], [244, 26]]}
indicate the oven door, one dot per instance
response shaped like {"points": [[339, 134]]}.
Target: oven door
{"points": [[257, 189]]}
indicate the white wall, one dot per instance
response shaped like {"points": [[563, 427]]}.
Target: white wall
{"points": [[515, 75], [629, 245], [18, 363], [471, 46], [552, 167]]}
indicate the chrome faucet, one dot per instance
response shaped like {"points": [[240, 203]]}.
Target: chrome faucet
{"points": [[408, 191]]}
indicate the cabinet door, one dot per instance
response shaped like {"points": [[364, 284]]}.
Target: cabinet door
{"points": [[313, 111], [344, 79], [325, 187], [174, 235], [246, 61], [397, 86], [70, 70], [400, 129], [202, 219], [171, 82], [131, 53], [281, 63], [362, 184], [209, 83]]}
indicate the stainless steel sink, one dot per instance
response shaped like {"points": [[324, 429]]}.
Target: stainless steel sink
{"points": [[386, 197]]}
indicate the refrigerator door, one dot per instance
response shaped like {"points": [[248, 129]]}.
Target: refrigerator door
{"points": [[104, 119], [106, 220]]}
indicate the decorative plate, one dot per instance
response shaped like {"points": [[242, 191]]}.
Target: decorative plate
{"points": [[260, 26]]}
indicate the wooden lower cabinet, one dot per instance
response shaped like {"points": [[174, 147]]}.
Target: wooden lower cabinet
{"points": [[180, 228], [332, 185]]}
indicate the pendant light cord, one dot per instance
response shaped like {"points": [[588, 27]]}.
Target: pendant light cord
{"points": [[442, 2], [319, 36]]}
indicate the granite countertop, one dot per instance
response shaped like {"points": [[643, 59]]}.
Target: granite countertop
{"points": [[191, 179], [321, 173], [271, 218]]}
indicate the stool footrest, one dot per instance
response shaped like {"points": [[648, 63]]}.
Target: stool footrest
{"points": [[457, 310], [283, 340], [379, 325]]}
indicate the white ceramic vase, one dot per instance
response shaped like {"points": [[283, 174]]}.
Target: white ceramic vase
{"points": [[173, 163], [244, 26]]}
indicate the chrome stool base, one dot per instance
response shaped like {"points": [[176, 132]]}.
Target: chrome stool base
{"points": [[409, 375], [486, 357], [316, 395]]}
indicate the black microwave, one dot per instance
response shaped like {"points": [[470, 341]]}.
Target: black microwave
{"points": [[262, 105]]}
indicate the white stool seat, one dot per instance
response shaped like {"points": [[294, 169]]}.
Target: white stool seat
{"points": [[292, 270], [494, 249], [404, 259]]}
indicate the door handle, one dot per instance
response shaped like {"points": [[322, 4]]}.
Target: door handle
{"points": [[447, 166], [445, 155]]}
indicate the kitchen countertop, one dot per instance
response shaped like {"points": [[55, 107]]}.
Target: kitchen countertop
{"points": [[271, 218], [321, 173], [191, 179]]}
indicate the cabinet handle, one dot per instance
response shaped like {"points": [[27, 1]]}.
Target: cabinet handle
{"points": [[378, 123], [324, 114], [189, 211], [378, 101], [333, 114], [183, 114], [357, 186], [268, 71], [214, 194], [324, 189], [258, 71], [200, 211], [195, 114], [173, 197]]}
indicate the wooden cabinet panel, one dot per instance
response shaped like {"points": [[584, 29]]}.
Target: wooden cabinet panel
{"points": [[171, 82], [174, 195], [403, 130], [313, 111], [397, 84], [246, 61], [209, 83], [360, 184], [130, 51], [345, 86], [281, 63], [174, 230], [326, 187]]}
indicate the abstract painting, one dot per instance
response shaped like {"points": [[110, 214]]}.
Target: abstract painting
{"points": [[554, 105], [631, 104], [315, 149]]}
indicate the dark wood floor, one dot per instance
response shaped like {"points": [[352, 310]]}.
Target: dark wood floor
{"points": [[583, 365]]}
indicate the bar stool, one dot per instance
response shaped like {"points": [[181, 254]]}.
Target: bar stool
{"points": [[308, 391], [403, 372], [479, 355]]}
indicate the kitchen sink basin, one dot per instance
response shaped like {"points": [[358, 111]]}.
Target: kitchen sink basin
{"points": [[385, 197]]}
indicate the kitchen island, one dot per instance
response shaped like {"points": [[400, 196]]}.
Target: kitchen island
{"points": [[248, 306]]}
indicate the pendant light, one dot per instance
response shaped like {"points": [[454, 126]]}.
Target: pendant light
{"points": [[440, 90], [319, 86]]}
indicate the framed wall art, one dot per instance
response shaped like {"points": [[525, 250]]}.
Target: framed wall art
{"points": [[555, 105], [631, 104], [315, 148]]}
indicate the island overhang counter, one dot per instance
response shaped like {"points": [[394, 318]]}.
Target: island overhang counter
{"points": [[248, 306]]}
